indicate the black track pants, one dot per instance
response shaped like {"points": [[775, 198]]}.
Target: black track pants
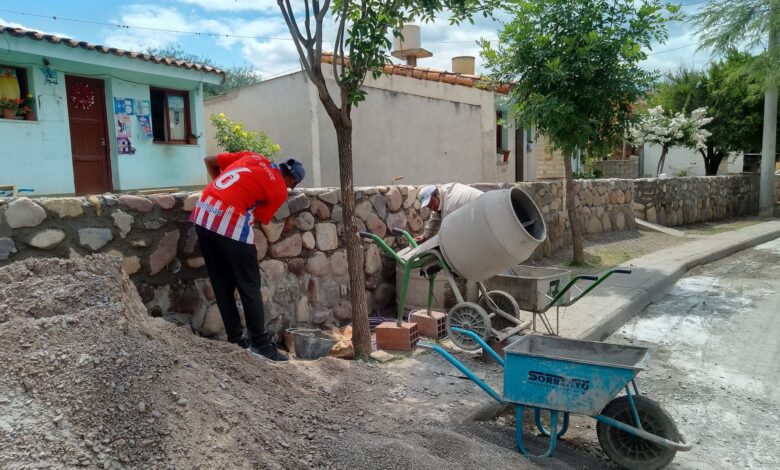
{"points": [[232, 265]]}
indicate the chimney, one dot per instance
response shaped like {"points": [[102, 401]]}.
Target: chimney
{"points": [[409, 48], [463, 64]]}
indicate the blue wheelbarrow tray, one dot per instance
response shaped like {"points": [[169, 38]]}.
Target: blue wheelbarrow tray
{"points": [[568, 375]]}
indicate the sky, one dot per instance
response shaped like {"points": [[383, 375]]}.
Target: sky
{"points": [[200, 26]]}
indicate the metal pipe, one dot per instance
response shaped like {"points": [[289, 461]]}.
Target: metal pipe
{"points": [[481, 383]]}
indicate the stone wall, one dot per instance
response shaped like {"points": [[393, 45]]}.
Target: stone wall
{"points": [[626, 169], [681, 201], [301, 253]]}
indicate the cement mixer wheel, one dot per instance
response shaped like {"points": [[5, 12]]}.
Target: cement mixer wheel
{"points": [[469, 316], [506, 303]]}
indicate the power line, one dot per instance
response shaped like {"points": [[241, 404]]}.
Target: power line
{"points": [[192, 33], [672, 49]]}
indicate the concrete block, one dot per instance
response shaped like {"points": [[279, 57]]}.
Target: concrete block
{"points": [[397, 338], [432, 326]]}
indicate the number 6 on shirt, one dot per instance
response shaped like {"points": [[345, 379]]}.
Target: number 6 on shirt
{"points": [[226, 179]]}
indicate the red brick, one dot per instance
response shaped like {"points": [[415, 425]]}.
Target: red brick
{"points": [[396, 338], [432, 326]]}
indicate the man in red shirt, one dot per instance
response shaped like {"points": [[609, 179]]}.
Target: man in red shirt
{"points": [[245, 186]]}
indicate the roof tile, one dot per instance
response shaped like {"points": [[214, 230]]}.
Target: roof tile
{"points": [[19, 32], [434, 75]]}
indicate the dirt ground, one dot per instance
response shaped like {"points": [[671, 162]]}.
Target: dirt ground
{"points": [[89, 380]]}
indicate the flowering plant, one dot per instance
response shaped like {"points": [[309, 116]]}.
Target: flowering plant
{"points": [[232, 137], [677, 130], [10, 103], [28, 102]]}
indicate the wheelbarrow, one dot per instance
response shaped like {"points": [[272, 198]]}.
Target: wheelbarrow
{"points": [[497, 315], [563, 376]]}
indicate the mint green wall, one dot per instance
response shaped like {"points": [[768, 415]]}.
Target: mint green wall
{"points": [[38, 154]]}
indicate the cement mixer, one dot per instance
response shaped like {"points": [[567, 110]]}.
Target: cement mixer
{"points": [[482, 239]]}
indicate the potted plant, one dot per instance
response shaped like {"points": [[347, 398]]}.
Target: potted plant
{"points": [[27, 107], [502, 155], [192, 139], [9, 106]]}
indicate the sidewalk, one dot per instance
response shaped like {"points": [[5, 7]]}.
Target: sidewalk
{"points": [[621, 297]]}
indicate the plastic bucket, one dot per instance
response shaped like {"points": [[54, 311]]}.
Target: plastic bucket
{"points": [[312, 344], [497, 231]]}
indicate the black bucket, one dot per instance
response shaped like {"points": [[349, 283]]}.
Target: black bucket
{"points": [[312, 344]]}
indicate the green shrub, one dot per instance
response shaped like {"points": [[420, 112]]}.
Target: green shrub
{"points": [[232, 137]]}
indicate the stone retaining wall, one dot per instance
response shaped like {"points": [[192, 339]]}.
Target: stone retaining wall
{"points": [[681, 201], [627, 169], [301, 253]]}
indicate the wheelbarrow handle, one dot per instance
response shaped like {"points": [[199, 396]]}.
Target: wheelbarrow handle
{"points": [[379, 241], [622, 271], [682, 446], [466, 371], [408, 236], [496, 357]]}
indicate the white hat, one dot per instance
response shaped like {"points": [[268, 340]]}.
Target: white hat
{"points": [[425, 195]]}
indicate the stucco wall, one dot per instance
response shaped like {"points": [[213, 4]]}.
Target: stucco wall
{"points": [[37, 154], [680, 158], [425, 131]]}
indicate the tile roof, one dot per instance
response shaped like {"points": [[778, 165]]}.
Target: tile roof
{"points": [[434, 75], [38, 36]]}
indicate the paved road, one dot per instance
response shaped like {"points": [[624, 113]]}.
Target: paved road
{"points": [[716, 362]]}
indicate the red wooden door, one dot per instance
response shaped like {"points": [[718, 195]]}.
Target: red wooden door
{"points": [[88, 134]]}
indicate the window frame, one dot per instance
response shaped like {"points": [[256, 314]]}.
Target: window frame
{"points": [[187, 121]]}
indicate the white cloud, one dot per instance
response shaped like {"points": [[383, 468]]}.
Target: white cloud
{"points": [[233, 5], [271, 57], [153, 17], [11, 24]]}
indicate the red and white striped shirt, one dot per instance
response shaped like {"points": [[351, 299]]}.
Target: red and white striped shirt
{"points": [[248, 187]]}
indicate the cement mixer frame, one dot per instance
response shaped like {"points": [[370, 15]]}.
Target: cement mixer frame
{"points": [[497, 314]]}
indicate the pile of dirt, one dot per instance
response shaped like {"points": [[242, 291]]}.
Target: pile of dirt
{"points": [[88, 379]]}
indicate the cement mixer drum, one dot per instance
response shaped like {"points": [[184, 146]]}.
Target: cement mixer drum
{"points": [[499, 230]]}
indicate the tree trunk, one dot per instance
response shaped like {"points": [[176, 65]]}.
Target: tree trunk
{"points": [[361, 334], [766, 192], [712, 159], [578, 251], [662, 160]]}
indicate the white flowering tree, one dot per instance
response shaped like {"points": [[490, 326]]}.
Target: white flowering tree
{"points": [[666, 130]]}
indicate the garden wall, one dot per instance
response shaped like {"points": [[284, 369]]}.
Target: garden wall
{"points": [[682, 201]]}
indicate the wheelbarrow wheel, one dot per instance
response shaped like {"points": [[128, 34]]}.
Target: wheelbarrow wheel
{"points": [[631, 451], [469, 316], [506, 303]]}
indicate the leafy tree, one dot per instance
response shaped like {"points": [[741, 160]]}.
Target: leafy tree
{"points": [[235, 77], [361, 47], [732, 98], [576, 71], [726, 25], [677, 130]]}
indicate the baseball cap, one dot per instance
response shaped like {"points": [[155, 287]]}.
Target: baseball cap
{"points": [[425, 195], [295, 168]]}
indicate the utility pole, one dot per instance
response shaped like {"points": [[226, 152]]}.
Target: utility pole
{"points": [[766, 198]]}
